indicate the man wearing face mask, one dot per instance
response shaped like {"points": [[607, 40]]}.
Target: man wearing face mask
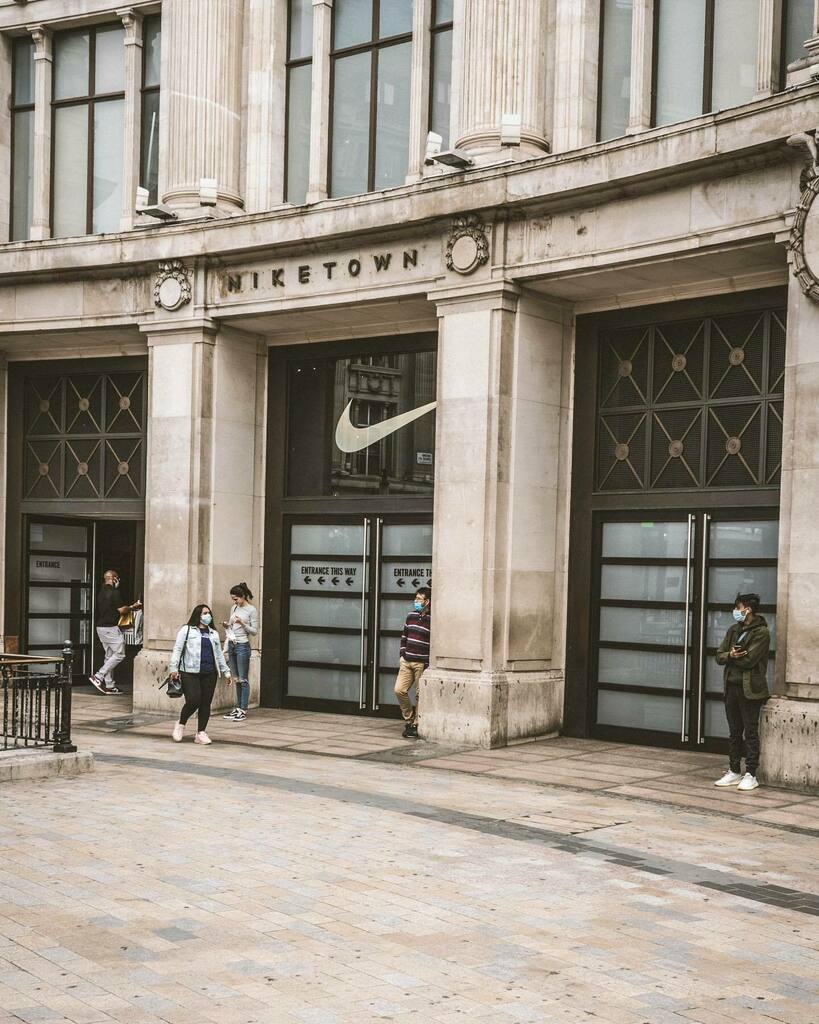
{"points": [[110, 605], [744, 653], [414, 658]]}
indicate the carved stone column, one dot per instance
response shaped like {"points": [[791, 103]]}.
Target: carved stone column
{"points": [[41, 185], [502, 70], [577, 46], [317, 188], [265, 55], [203, 98], [642, 52], [132, 117]]}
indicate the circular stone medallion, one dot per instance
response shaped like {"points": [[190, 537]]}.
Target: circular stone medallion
{"points": [[625, 368], [733, 445], [679, 363], [171, 295], [736, 356], [465, 254], [621, 452], [675, 449]]}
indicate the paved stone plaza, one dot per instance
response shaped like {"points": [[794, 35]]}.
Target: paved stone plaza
{"points": [[384, 881]]}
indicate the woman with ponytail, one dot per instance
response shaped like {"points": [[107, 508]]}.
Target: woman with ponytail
{"points": [[243, 624]]}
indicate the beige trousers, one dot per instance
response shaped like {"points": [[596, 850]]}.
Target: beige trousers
{"points": [[409, 673]]}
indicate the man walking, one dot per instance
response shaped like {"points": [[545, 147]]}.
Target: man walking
{"points": [[744, 653], [414, 658], [110, 605]]}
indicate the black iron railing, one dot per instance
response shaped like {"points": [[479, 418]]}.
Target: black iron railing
{"points": [[35, 701]]}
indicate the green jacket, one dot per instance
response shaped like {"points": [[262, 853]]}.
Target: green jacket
{"points": [[752, 668]]}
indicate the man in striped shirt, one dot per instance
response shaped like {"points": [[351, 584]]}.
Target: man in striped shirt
{"points": [[414, 658]]}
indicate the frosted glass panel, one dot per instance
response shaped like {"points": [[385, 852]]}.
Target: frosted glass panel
{"points": [[326, 648], [640, 668], [49, 631], [615, 73], [645, 540], [798, 28], [109, 60], [301, 28], [642, 583], [58, 568], [352, 22], [642, 625], [330, 577], [351, 125], [441, 85], [403, 578], [736, 34], [328, 684], [716, 724], [298, 132], [744, 540], [639, 711], [719, 623], [70, 170], [70, 65], [386, 688], [392, 116], [23, 71], [680, 57], [57, 537], [395, 18], [23, 194], [152, 50], [394, 613], [149, 177], [316, 611], [443, 11], [726, 582], [328, 540], [406, 540], [108, 150], [58, 600]]}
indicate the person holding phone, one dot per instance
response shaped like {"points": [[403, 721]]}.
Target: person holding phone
{"points": [[198, 660], [242, 625], [110, 605], [744, 655]]}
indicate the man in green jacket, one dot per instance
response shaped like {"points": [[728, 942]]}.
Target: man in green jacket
{"points": [[744, 653]]}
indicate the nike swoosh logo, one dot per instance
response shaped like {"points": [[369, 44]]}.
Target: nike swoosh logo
{"points": [[353, 439]]}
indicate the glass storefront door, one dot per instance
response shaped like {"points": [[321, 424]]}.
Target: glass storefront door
{"points": [[664, 595], [349, 587]]}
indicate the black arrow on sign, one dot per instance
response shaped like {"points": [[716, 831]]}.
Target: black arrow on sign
{"points": [[416, 584], [429, 583], [321, 580], [349, 581], [336, 581], [400, 582], [308, 579]]}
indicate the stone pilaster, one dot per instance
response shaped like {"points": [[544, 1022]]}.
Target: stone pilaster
{"points": [[642, 51], [419, 89], [132, 115], [41, 185], [317, 187], [502, 443], [265, 55], [203, 98], [577, 46], [501, 63], [769, 48], [203, 517]]}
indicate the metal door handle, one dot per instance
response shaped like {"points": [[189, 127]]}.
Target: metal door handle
{"points": [[362, 703], [703, 623], [377, 611], [686, 631]]}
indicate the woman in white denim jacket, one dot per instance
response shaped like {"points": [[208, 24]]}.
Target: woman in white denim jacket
{"points": [[197, 657]]}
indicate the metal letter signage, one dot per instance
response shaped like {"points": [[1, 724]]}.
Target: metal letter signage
{"points": [[355, 439]]}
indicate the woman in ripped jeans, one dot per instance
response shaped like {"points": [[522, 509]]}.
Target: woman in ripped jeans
{"points": [[243, 624]]}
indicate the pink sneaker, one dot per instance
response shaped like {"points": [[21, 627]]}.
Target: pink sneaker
{"points": [[202, 737], [178, 732]]}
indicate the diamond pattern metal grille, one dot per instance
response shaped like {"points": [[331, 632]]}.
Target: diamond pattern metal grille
{"points": [[692, 404], [84, 437]]}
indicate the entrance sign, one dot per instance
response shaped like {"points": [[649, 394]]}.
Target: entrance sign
{"points": [[355, 439]]}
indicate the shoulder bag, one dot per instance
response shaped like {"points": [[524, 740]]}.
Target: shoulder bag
{"points": [[175, 685]]}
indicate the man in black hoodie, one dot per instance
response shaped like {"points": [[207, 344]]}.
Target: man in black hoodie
{"points": [[744, 653], [110, 605]]}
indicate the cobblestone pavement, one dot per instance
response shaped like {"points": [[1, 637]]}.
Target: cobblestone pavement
{"points": [[245, 882]]}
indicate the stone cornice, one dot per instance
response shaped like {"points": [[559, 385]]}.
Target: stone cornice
{"points": [[710, 146]]}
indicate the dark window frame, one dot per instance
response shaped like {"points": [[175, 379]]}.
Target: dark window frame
{"points": [[289, 64], [436, 29], [147, 90], [90, 101], [373, 46], [18, 108]]}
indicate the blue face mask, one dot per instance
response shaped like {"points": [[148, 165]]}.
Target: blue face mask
{"points": [[738, 615], [419, 606], [207, 619]]}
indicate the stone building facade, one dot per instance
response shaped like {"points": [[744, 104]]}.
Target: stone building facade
{"points": [[340, 297]]}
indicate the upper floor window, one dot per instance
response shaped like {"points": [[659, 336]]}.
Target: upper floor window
{"points": [[615, 68], [299, 86], [22, 138], [149, 159], [88, 136], [799, 26], [441, 76]]}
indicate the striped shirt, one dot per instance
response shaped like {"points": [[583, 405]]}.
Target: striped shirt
{"points": [[415, 638]]}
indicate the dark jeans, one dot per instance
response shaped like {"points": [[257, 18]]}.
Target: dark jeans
{"points": [[198, 689], [239, 661], [743, 724]]}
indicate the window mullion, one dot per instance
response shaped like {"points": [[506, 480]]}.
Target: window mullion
{"points": [[320, 128], [42, 158], [420, 84], [769, 50], [373, 117], [89, 194], [642, 66], [708, 61], [132, 115]]}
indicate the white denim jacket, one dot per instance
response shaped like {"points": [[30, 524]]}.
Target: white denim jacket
{"points": [[193, 647]]}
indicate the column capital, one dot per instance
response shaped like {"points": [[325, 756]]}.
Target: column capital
{"points": [[132, 22], [42, 38], [460, 298]]}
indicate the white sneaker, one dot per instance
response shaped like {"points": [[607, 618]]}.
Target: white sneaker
{"points": [[99, 683], [178, 732], [231, 714], [728, 779], [748, 782], [202, 737], [240, 715]]}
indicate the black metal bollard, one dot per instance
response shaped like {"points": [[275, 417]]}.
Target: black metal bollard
{"points": [[62, 737]]}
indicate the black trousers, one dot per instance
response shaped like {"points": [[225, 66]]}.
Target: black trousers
{"points": [[198, 688], [743, 724]]}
